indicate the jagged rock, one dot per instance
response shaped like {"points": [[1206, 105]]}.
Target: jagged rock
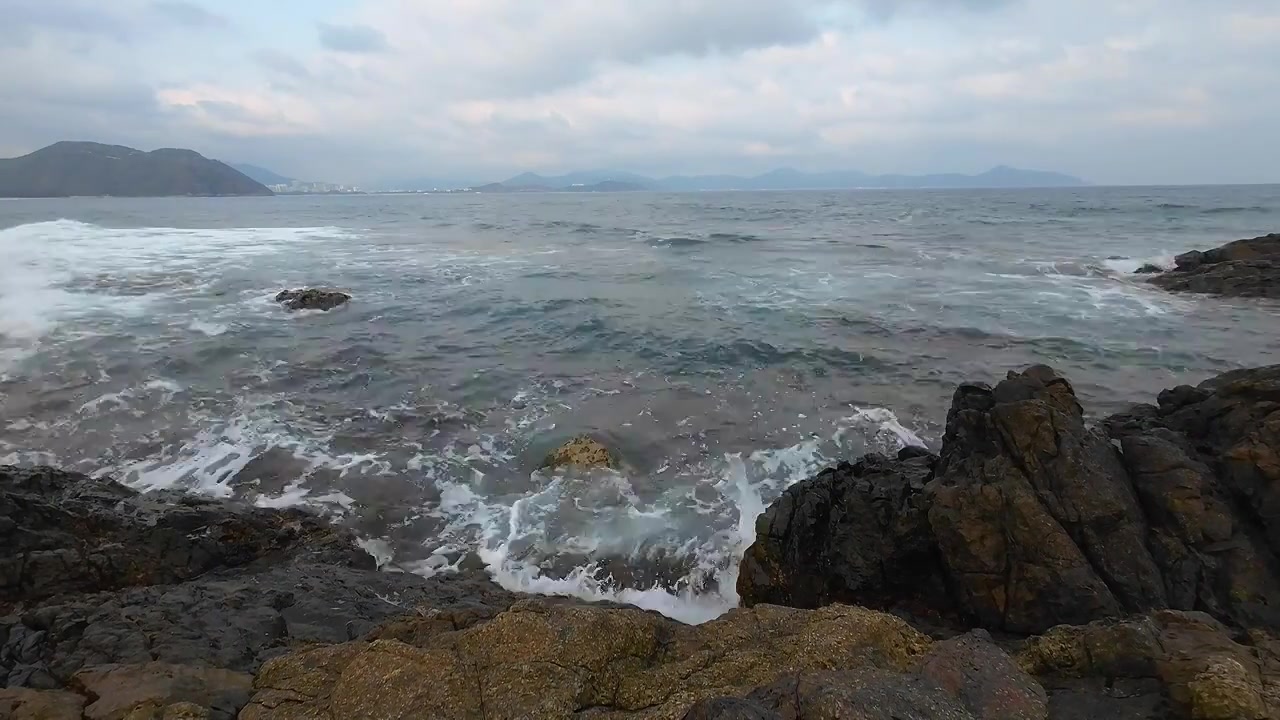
{"points": [[581, 452], [1030, 519], [25, 704], [1244, 268], [66, 532], [1033, 513], [311, 299], [160, 691], [547, 660], [854, 533]]}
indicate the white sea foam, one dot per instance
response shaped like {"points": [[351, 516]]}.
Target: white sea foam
{"points": [[64, 268]]}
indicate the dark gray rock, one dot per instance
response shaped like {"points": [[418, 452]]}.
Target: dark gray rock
{"points": [[1149, 269], [1244, 268], [311, 299], [70, 533], [865, 694], [853, 534]]}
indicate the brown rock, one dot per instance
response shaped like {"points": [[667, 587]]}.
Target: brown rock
{"points": [[1226, 690], [583, 453], [550, 660], [159, 690], [25, 704], [1193, 660]]}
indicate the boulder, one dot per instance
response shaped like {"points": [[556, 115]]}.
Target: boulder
{"points": [[1184, 664], [1244, 268], [583, 453], [855, 534], [1029, 518], [1149, 269], [311, 299]]}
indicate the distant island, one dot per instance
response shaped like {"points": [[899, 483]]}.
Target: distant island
{"points": [[72, 169]]}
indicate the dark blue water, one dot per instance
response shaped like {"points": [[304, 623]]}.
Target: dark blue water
{"points": [[727, 344]]}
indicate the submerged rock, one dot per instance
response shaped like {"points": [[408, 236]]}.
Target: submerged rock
{"points": [[583, 453], [1244, 268], [311, 299], [1149, 269]]}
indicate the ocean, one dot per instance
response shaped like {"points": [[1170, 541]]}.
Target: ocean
{"points": [[726, 345]]}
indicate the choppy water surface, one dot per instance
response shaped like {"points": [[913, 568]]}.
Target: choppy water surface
{"points": [[728, 344]]}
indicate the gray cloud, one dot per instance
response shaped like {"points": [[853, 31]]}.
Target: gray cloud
{"points": [[281, 63], [1147, 90], [352, 38], [189, 15]]}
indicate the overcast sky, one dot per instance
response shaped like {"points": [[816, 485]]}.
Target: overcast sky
{"points": [[365, 91]]}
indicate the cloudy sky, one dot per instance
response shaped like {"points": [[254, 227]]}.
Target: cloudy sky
{"points": [[368, 91]]}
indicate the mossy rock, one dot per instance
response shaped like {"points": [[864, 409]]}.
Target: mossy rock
{"points": [[583, 453]]}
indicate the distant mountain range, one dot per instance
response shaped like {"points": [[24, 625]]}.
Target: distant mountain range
{"points": [[68, 169], [789, 179]]}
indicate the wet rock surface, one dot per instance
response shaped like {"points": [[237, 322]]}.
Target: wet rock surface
{"points": [[1244, 268], [311, 299]]}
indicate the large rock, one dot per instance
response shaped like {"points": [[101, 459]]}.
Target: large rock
{"points": [[311, 299], [1244, 268], [546, 660], [1031, 519]]}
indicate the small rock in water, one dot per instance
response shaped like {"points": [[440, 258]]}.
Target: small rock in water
{"points": [[311, 299], [1149, 269], [581, 452]]}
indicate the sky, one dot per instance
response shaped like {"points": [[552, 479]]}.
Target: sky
{"points": [[373, 92]]}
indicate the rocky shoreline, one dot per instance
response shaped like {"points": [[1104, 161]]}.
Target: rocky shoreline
{"points": [[1036, 567], [1244, 268]]}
